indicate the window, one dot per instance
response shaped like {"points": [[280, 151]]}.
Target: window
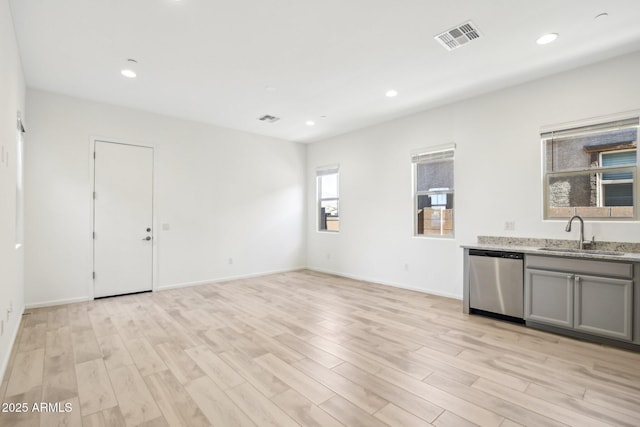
{"points": [[328, 199], [433, 191], [590, 171]]}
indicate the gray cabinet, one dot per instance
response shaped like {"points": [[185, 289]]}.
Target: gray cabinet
{"points": [[549, 297], [603, 306], [593, 297]]}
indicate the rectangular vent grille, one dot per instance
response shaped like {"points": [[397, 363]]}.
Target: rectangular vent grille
{"points": [[269, 119], [458, 36]]}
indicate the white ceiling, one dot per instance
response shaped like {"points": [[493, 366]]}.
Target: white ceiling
{"points": [[211, 60]]}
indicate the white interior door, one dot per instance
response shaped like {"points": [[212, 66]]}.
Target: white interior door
{"points": [[123, 219]]}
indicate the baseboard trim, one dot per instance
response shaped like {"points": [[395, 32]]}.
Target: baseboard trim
{"points": [[12, 343], [386, 283], [57, 302], [165, 287], [263, 273], [225, 279]]}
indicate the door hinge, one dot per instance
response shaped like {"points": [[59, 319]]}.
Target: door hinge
{"points": [[94, 154], [94, 195], [94, 234], [94, 274]]}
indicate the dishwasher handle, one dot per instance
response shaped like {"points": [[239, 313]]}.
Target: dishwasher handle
{"points": [[495, 254]]}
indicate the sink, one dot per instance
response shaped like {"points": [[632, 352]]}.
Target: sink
{"points": [[582, 251]]}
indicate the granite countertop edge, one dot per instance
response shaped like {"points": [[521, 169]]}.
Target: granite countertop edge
{"points": [[533, 250]]}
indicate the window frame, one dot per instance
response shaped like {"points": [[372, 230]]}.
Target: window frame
{"points": [[430, 155], [320, 172], [582, 128]]}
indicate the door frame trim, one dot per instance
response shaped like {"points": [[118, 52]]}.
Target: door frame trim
{"points": [[154, 221]]}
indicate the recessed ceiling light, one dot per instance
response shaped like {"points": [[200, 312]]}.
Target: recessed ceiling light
{"points": [[270, 88], [391, 93], [310, 123], [129, 68], [547, 38]]}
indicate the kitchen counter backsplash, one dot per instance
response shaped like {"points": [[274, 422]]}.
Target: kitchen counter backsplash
{"points": [[626, 247]]}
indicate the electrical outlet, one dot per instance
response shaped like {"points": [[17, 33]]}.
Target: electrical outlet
{"points": [[510, 225], [328, 256], [230, 261], [406, 267]]}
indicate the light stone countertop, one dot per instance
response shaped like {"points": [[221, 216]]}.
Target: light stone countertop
{"points": [[629, 252]]}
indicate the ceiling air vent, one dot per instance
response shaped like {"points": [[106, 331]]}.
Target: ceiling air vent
{"points": [[269, 119], [458, 36]]}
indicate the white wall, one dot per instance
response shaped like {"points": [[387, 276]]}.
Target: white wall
{"points": [[225, 194], [497, 177], [12, 95]]}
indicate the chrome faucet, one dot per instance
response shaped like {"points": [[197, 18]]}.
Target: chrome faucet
{"points": [[568, 229]]}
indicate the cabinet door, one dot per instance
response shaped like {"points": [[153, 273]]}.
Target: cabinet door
{"points": [[603, 306], [549, 297]]}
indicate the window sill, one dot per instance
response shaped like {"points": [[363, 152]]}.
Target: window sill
{"points": [[433, 237]]}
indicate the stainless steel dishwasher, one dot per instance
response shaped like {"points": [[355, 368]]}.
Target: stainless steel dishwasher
{"points": [[496, 283]]}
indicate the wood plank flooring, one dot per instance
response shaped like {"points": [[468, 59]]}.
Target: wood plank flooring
{"points": [[304, 348]]}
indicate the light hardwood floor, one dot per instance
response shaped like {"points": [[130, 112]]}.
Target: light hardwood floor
{"points": [[305, 348]]}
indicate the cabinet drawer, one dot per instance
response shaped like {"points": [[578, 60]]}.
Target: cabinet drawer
{"points": [[623, 270]]}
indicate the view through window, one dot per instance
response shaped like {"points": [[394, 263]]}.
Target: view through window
{"points": [[328, 199], [433, 197], [590, 171]]}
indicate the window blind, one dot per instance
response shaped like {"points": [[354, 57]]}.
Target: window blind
{"points": [[619, 158], [327, 170], [622, 158], [618, 195], [594, 128], [432, 156]]}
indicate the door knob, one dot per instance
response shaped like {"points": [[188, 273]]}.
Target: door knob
{"points": [[147, 238], [148, 230]]}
